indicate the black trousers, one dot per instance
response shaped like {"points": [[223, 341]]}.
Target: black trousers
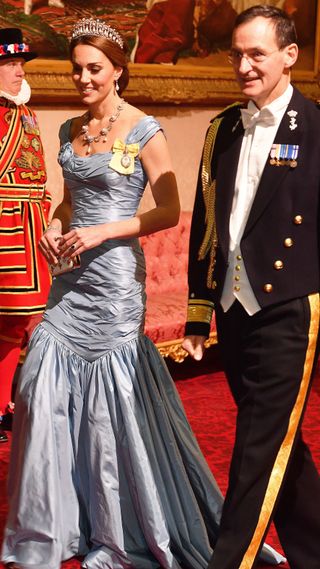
{"points": [[269, 359]]}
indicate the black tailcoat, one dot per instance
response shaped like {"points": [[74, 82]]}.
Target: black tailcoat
{"points": [[283, 224]]}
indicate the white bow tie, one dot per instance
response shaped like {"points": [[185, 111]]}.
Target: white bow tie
{"points": [[250, 117]]}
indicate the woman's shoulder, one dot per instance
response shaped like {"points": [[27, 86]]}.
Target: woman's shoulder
{"points": [[141, 126], [69, 128]]}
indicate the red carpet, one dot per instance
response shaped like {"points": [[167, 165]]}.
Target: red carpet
{"points": [[211, 412]]}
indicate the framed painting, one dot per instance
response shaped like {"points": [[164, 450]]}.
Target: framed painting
{"points": [[178, 48]]}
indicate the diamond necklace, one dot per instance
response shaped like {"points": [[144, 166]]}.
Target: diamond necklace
{"points": [[89, 139]]}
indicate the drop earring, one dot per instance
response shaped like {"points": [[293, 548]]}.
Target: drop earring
{"points": [[116, 85]]}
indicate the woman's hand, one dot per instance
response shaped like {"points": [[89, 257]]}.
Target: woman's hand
{"points": [[81, 239], [50, 240], [49, 245]]}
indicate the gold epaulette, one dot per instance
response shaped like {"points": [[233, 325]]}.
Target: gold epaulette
{"points": [[210, 240], [227, 109]]}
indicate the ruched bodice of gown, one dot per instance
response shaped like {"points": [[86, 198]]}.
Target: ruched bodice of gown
{"points": [[101, 304]]}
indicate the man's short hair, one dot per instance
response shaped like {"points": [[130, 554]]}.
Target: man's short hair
{"points": [[285, 29]]}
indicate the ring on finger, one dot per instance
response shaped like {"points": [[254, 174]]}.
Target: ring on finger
{"points": [[73, 247]]}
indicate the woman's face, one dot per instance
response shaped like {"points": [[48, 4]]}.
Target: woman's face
{"points": [[93, 74]]}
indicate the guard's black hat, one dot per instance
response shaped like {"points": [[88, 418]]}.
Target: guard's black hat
{"points": [[12, 45]]}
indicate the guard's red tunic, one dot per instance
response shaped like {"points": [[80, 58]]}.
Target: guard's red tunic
{"points": [[24, 208]]}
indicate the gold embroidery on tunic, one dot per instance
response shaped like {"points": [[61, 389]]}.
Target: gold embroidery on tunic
{"points": [[28, 160], [25, 143], [32, 176], [7, 117], [35, 143]]}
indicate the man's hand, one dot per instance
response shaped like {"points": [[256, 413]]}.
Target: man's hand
{"points": [[194, 345]]}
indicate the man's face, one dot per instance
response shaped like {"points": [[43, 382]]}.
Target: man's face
{"points": [[11, 75], [262, 69]]}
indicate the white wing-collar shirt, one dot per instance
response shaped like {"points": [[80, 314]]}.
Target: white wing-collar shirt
{"points": [[256, 144]]}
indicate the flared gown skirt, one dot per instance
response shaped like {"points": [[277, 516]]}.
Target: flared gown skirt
{"points": [[104, 463]]}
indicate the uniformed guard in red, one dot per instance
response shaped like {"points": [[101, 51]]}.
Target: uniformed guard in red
{"points": [[24, 208]]}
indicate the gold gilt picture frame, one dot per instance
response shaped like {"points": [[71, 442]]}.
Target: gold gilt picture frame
{"points": [[190, 80]]}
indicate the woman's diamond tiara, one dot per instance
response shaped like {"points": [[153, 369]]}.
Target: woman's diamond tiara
{"points": [[92, 27]]}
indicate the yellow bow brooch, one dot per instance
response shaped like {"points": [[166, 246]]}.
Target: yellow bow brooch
{"points": [[123, 157]]}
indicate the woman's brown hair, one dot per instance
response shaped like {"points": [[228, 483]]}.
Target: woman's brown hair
{"points": [[112, 50]]}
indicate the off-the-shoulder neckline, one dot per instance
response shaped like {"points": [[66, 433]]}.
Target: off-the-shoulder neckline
{"points": [[145, 117]]}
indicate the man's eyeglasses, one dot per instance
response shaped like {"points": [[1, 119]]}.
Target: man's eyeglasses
{"points": [[253, 57]]}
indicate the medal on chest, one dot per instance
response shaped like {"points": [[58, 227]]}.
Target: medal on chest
{"points": [[284, 155]]}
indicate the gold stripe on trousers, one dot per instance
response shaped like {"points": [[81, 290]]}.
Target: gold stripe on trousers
{"points": [[281, 462]]}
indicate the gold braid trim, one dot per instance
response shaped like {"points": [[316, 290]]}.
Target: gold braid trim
{"points": [[199, 310], [208, 187], [210, 240]]}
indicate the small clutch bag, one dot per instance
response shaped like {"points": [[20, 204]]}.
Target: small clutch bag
{"points": [[65, 266]]}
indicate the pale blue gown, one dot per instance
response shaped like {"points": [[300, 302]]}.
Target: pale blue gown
{"points": [[104, 463]]}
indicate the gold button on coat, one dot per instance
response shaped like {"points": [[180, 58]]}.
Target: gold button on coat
{"points": [[278, 265], [288, 242], [237, 288], [298, 219], [268, 287]]}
